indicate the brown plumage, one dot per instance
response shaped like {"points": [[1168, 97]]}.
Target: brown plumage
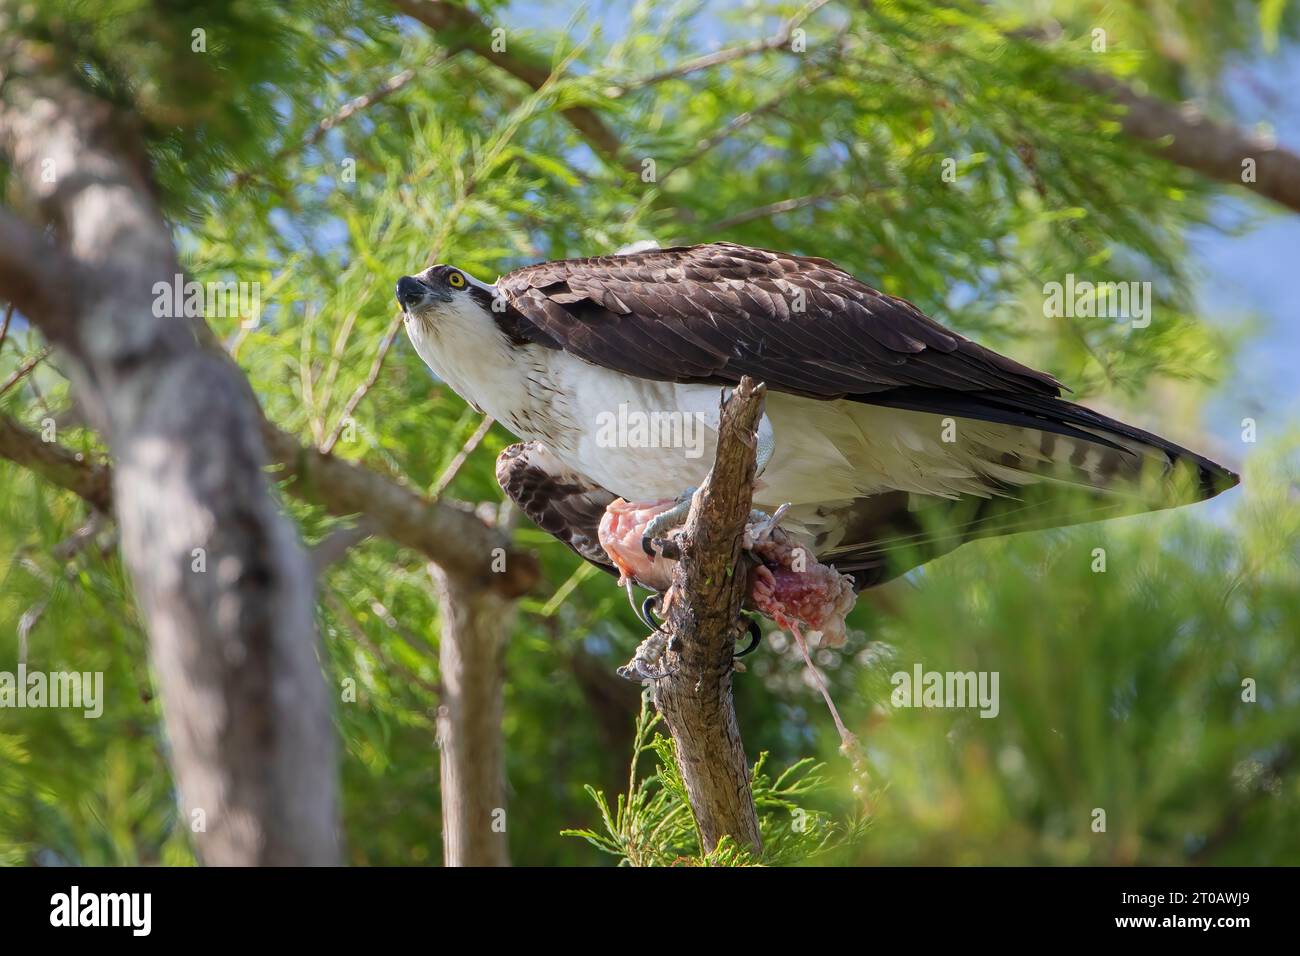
{"points": [[710, 314], [716, 312]]}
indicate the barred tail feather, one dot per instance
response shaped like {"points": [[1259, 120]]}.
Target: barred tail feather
{"points": [[1045, 463]]}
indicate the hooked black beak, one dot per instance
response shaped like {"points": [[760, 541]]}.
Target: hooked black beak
{"points": [[411, 292]]}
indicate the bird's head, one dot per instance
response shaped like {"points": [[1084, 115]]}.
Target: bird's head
{"points": [[440, 290]]}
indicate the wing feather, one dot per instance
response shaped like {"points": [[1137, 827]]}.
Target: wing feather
{"points": [[716, 312]]}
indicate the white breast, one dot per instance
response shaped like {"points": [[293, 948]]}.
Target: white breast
{"points": [[646, 440], [589, 416], [640, 439], [464, 348]]}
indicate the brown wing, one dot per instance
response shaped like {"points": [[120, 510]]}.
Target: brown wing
{"points": [[715, 312], [557, 499]]}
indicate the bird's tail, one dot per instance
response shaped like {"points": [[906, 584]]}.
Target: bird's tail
{"points": [[1042, 462], [1056, 440]]}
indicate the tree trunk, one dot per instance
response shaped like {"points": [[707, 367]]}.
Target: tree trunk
{"points": [[698, 706], [703, 622], [219, 575], [476, 623]]}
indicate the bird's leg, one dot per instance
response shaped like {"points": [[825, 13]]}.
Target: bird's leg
{"points": [[760, 526], [765, 438], [654, 520], [658, 526], [655, 542], [766, 446]]}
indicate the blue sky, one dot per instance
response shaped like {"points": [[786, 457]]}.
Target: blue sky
{"points": [[1253, 276]]}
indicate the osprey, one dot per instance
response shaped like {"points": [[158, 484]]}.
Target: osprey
{"points": [[887, 439]]}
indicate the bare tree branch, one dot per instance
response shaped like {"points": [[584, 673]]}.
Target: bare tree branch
{"points": [[727, 130], [350, 109], [476, 624], [4, 328], [445, 532], [376, 366], [24, 370], [75, 543], [1215, 150], [776, 41], [448, 533], [452, 470], [90, 480], [703, 623], [460, 28], [335, 545]]}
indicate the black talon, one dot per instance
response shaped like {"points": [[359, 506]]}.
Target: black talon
{"points": [[755, 638], [647, 615], [661, 548], [668, 548]]}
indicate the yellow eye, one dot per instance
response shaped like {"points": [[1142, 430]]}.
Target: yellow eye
{"points": [[455, 280]]}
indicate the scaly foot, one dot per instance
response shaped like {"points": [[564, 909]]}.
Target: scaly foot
{"points": [[653, 539]]}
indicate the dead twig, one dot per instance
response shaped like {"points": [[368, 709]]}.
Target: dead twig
{"points": [[776, 41], [449, 473], [341, 115], [390, 334], [4, 329], [24, 370]]}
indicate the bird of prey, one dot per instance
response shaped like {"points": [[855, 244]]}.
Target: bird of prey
{"points": [[887, 439]]}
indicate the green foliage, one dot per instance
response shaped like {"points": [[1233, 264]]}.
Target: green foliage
{"points": [[1120, 690], [76, 790], [652, 823], [1163, 690]]}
